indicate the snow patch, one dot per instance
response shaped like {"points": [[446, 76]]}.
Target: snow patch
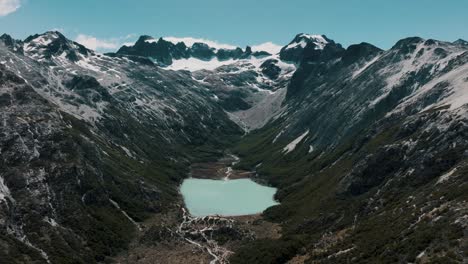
{"points": [[193, 64], [319, 41], [51, 221], [446, 176], [116, 205], [291, 146], [277, 136], [396, 74], [367, 65], [86, 64], [4, 190], [341, 252], [295, 45]]}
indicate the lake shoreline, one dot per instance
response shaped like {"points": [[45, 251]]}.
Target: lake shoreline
{"points": [[201, 239], [221, 169], [207, 197]]}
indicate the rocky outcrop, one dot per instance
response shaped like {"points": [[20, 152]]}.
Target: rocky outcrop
{"points": [[164, 52], [90, 146], [376, 153], [366, 146]]}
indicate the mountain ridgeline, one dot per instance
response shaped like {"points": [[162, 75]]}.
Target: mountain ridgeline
{"points": [[368, 147], [163, 52]]}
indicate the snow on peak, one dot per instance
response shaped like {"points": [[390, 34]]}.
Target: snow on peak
{"points": [[269, 47], [40, 41], [318, 40], [194, 64], [295, 45], [302, 40], [189, 41], [45, 39]]}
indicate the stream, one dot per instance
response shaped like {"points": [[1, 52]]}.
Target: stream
{"points": [[214, 193]]}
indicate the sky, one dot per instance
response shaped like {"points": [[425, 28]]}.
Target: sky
{"points": [[107, 24]]}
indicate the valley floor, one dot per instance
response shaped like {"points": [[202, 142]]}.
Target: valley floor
{"points": [[176, 237], [158, 242]]}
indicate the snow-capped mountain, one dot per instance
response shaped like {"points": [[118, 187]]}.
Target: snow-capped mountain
{"points": [[45, 46], [369, 144], [188, 53], [241, 79], [79, 132], [300, 45], [94, 144]]}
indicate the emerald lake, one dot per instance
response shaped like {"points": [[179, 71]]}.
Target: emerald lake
{"points": [[226, 197]]}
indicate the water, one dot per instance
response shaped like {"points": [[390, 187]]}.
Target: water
{"points": [[232, 197]]}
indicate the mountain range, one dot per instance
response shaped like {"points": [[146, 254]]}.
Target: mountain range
{"points": [[367, 147]]}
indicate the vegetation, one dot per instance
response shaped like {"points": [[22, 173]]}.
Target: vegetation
{"points": [[383, 223]]}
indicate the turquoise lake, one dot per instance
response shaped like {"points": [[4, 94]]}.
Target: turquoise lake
{"points": [[229, 198]]}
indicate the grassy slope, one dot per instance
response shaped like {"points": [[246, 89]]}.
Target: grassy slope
{"points": [[313, 205]]}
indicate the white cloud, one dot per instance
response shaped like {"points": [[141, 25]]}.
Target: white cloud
{"points": [[94, 43], [97, 44], [9, 6], [189, 42], [269, 47], [112, 44]]}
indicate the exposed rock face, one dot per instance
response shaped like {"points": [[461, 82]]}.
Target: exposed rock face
{"points": [[162, 51], [270, 69], [91, 145], [53, 43], [383, 156], [461, 42], [355, 139], [359, 52], [12, 44], [305, 46], [165, 52]]}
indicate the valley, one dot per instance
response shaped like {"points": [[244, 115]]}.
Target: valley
{"points": [[364, 149], [211, 238]]}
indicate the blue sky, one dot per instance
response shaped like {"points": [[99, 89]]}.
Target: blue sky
{"points": [[109, 23]]}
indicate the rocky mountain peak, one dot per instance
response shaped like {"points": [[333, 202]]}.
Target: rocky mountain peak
{"points": [[202, 51], [91, 150], [53, 44], [407, 45], [165, 50], [11, 43], [359, 51], [7, 39], [461, 42], [144, 38], [294, 51]]}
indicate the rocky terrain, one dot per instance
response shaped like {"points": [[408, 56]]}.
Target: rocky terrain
{"points": [[91, 145], [370, 156], [368, 148]]}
